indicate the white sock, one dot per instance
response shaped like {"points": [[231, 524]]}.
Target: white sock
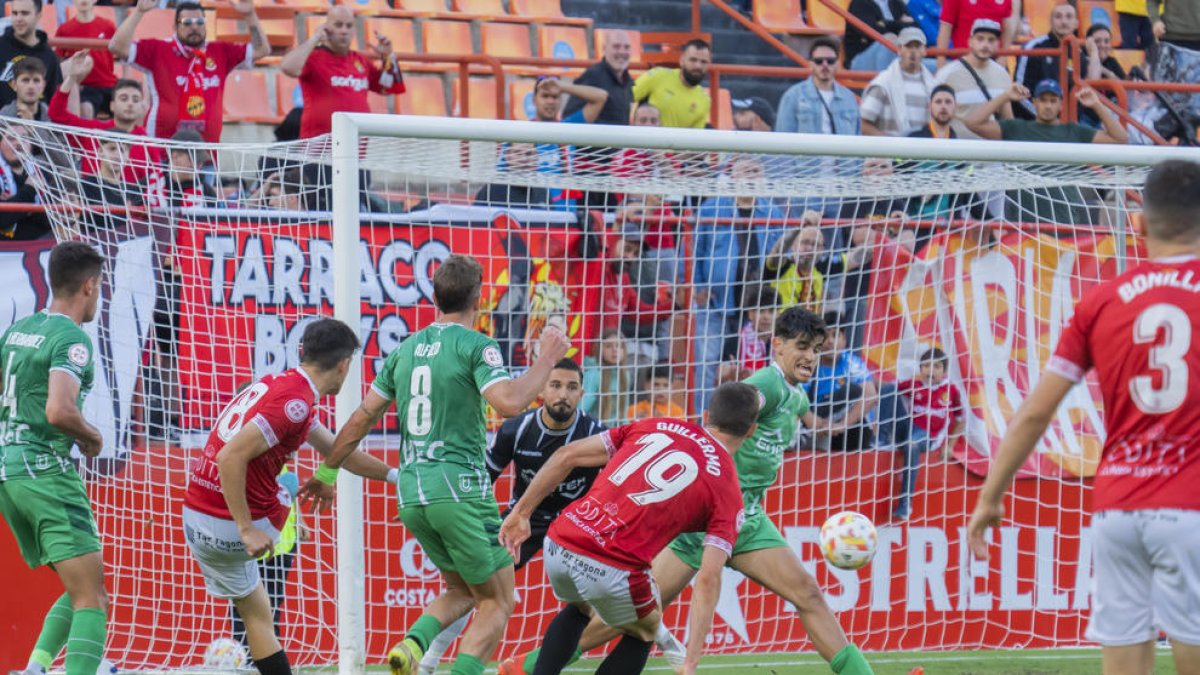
{"points": [[664, 638], [442, 642], [35, 667]]}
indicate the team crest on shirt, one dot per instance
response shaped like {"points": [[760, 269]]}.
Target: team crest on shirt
{"points": [[464, 483], [296, 410], [78, 354], [195, 106], [492, 357], [209, 64], [359, 66]]}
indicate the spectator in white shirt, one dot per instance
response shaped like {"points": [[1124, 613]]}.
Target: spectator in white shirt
{"points": [[896, 101]]}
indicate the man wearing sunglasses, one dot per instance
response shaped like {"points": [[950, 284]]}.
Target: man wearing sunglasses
{"points": [[187, 73], [819, 105]]}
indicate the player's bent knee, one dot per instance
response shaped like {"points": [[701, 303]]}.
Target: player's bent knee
{"points": [[645, 628]]}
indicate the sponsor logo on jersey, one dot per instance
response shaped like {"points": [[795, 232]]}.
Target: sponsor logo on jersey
{"points": [[296, 410], [78, 354], [492, 357], [350, 81], [195, 106]]}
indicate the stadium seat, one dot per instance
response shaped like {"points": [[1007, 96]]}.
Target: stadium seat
{"points": [[446, 37], [399, 31], [505, 39], [1093, 12], [156, 24], [284, 89], [782, 16], [825, 18], [423, 96], [109, 13], [725, 109], [368, 6], [1128, 58], [305, 5], [479, 7], [1037, 12], [549, 11], [422, 6], [378, 103], [563, 42], [280, 31], [520, 99], [483, 98], [635, 40], [249, 101]]}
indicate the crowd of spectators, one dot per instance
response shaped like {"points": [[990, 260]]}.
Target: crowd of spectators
{"points": [[748, 256]]}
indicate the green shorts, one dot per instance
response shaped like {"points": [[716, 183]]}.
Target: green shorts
{"points": [[50, 517], [460, 537], [758, 533]]}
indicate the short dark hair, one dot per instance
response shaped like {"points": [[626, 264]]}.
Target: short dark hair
{"points": [[185, 6], [943, 88], [71, 264], [760, 296], [327, 342], [733, 408], [695, 43], [457, 283], [825, 42], [833, 320], [1096, 28], [1171, 201], [660, 371], [570, 364], [797, 322], [126, 83], [37, 5], [933, 354], [30, 65]]}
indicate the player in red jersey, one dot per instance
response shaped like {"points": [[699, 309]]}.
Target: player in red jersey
{"points": [[232, 512], [187, 73], [333, 77], [661, 478], [1137, 332]]}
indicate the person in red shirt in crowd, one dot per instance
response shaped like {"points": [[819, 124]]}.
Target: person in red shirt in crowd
{"points": [[187, 74], [661, 478], [623, 303], [128, 105], [1138, 332], [760, 303], [96, 90], [333, 77], [958, 16], [935, 421], [232, 513]]}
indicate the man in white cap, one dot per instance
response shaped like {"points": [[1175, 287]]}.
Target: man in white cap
{"points": [[976, 78], [896, 102]]}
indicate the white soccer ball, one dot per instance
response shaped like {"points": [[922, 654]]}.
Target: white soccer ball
{"points": [[225, 654], [106, 667], [848, 540]]}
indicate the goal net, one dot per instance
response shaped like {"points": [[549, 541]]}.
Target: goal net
{"points": [[665, 255]]}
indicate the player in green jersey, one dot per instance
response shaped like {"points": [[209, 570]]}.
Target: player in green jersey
{"points": [[46, 371], [439, 379], [761, 553]]}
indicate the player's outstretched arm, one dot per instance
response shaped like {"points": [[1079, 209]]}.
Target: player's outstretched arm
{"points": [[358, 463], [511, 397], [588, 452], [232, 461], [705, 591], [1018, 443], [64, 415], [320, 488]]}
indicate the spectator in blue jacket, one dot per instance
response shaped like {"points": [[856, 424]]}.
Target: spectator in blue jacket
{"points": [[927, 14], [726, 257], [819, 105]]}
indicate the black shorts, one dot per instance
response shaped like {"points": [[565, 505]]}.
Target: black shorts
{"points": [[99, 97]]}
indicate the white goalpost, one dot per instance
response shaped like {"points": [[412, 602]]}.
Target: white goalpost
{"points": [[664, 254]]}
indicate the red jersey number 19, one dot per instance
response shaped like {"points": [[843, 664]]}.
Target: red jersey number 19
{"points": [[1166, 356], [668, 474]]}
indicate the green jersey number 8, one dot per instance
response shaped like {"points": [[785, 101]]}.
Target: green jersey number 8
{"points": [[420, 406]]}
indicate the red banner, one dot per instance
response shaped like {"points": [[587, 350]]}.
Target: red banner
{"points": [[996, 310]]}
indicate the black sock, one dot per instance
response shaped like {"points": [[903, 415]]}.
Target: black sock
{"points": [[627, 658], [562, 637], [275, 664]]}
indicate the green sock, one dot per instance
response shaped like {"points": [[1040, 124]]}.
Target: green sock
{"points": [[54, 632], [424, 630], [532, 657], [466, 664], [850, 661], [85, 644]]}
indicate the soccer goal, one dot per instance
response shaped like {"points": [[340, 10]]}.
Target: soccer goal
{"points": [[665, 255]]}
